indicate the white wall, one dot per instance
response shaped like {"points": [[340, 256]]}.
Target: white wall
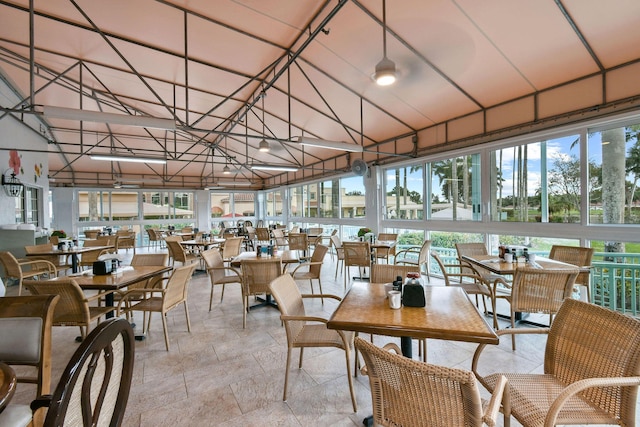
{"points": [[34, 168]]}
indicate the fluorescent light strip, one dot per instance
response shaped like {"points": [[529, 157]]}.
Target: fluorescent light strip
{"points": [[235, 183], [111, 118], [332, 145], [274, 168], [115, 158]]}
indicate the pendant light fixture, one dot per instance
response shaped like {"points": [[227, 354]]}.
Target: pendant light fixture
{"points": [[385, 74], [264, 144]]}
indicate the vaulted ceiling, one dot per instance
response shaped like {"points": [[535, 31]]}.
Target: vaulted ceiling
{"points": [[229, 73]]}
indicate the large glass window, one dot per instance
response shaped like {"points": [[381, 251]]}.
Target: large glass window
{"points": [[614, 156], [274, 203], [94, 205], [168, 205], [329, 198], [228, 209], [455, 188], [537, 182], [352, 195], [403, 194]]}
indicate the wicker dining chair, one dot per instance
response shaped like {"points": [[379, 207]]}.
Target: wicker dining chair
{"points": [[263, 236], [470, 282], [94, 387], [61, 262], [416, 256], [25, 269], [231, 249], [356, 254], [73, 308], [256, 276], [161, 300], [298, 242], [406, 392], [307, 331], [385, 253], [578, 256], [591, 371], [313, 267], [280, 239], [219, 274], [535, 290], [179, 253]]}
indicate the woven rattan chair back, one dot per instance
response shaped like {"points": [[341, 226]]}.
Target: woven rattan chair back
{"points": [[337, 245], [91, 234], [412, 393], [94, 387], [298, 242], [578, 256], [232, 247], [537, 290], [258, 273], [25, 337], [256, 276], [14, 269], [356, 254], [317, 257], [387, 273], [159, 259], [263, 234], [278, 235], [73, 308]]}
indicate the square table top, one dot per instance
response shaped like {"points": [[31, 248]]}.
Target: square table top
{"points": [[498, 266], [110, 282], [448, 314]]}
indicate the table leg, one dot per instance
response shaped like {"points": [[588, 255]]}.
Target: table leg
{"points": [[74, 262], [267, 301], [108, 301], [406, 347]]}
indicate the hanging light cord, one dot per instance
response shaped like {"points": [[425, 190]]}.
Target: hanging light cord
{"points": [[384, 28]]}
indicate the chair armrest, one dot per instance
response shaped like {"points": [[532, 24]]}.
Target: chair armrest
{"points": [[414, 250], [43, 401], [305, 264], [235, 270], [39, 263], [126, 296], [304, 318], [578, 386], [493, 408], [321, 296]]}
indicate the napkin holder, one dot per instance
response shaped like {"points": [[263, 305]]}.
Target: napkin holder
{"points": [[413, 294], [101, 268]]}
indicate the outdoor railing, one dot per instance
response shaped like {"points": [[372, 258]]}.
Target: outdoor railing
{"points": [[615, 278]]}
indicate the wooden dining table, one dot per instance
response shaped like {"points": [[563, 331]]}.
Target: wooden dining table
{"points": [[109, 283], [287, 257], [73, 252], [448, 314], [8, 383], [497, 265]]}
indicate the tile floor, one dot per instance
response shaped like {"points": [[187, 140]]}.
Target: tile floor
{"points": [[223, 375]]}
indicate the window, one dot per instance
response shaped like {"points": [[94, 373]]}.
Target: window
{"points": [[403, 195], [28, 206], [352, 197], [94, 205], [537, 182], [455, 188], [614, 175], [329, 198]]}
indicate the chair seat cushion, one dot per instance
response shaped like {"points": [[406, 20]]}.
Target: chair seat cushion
{"points": [[15, 416], [533, 394]]}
